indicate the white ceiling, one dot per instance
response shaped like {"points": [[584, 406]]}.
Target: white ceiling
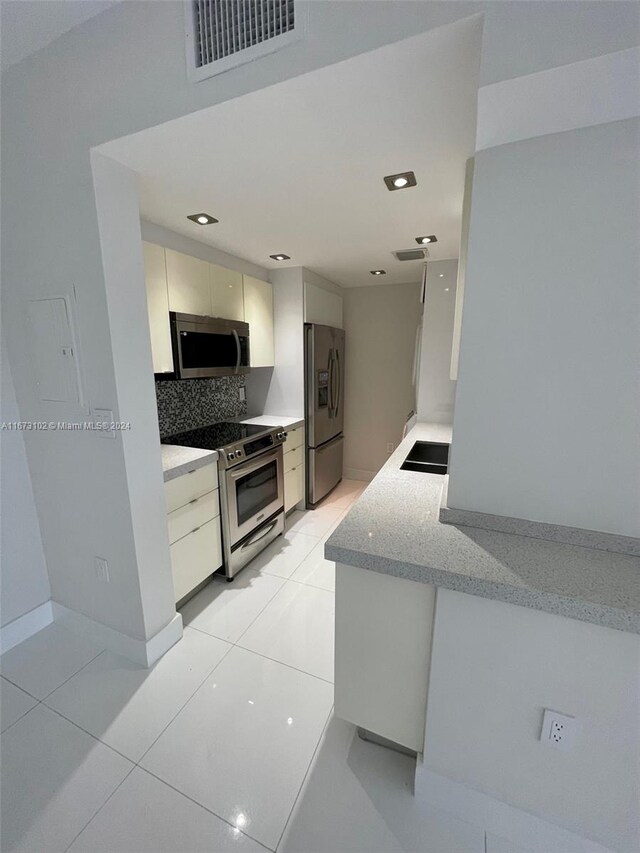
{"points": [[29, 25], [298, 167]]}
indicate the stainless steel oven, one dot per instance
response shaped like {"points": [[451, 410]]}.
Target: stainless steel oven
{"points": [[252, 498], [208, 346]]}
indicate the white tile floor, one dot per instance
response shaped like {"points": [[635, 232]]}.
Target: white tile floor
{"points": [[227, 743]]}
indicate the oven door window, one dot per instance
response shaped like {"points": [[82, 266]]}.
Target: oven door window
{"points": [[256, 490]]}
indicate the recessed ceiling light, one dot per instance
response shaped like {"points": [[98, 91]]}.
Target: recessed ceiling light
{"points": [[202, 218], [430, 238], [441, 275], [401, 181], [280, 257], [378, 272]]}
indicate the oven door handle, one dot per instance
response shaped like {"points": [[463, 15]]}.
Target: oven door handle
{"points": [[237, 339], [263, 533], [244, 469]]}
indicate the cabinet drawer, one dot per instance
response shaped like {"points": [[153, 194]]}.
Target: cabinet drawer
{"points": [[293, 458], [295, 437], [293, 487], [196, 513], [194, 484], [195, 557]]}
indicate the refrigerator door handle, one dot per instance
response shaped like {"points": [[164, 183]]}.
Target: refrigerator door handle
{"points": [[339, 389], [331, 386]]}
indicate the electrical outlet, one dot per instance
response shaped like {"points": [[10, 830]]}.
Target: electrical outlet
{"points": [[242, 394], [390, 447], [102, 569], [558, 730]]}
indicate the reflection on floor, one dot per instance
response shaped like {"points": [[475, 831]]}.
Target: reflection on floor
{"points": [[227, 743]]}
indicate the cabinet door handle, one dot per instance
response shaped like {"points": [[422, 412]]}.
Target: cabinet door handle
{"points": [[194, 501], [195, 529]]}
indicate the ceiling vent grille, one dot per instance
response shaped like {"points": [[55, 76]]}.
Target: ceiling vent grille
{"points": [[412, 254], [222, 34]]}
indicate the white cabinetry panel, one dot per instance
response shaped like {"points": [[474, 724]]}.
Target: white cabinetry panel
{"points": [[155, 275], [322, 306], [226, 293], [188, 284], [195, 557], [258, 312]]}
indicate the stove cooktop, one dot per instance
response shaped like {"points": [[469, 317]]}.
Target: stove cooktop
{"points": [[215, 436]]}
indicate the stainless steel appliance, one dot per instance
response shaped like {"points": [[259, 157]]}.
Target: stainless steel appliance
{"points": [[324, 391], [208, 346], [251, 478]]}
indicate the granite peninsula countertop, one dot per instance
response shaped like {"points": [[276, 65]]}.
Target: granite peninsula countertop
{"points": [[394, 528], [177, 460]]}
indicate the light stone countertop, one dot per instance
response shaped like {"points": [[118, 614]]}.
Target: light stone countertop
{"points": [[274, 421], [394, 528], [177, 460]]}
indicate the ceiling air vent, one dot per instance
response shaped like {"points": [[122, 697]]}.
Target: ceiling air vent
{"points": [[412, 254], [222, 34]]}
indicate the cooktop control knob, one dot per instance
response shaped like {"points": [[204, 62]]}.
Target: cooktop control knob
{"points": [[282, 436], [238, 453], [231, 455]]}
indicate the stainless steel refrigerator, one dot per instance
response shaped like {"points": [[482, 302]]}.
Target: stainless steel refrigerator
{"points": [[324, 392]]}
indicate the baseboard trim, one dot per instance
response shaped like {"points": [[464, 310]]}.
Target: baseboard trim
{"points": [[521, 828], [358, 474], [25, 626], [145, 652]]}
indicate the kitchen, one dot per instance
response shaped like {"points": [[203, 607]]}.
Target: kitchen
{"points": [[482, 693]]}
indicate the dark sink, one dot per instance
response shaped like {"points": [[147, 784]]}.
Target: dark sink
{"points": [[430, 457]]}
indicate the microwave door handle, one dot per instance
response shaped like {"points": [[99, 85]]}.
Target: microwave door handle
{"points": [[237, 339]]}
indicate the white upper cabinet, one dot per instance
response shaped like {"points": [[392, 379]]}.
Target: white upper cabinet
{"points": [[188, 284], [322, 306], [258, 313], [155, 275], [226, 293]]}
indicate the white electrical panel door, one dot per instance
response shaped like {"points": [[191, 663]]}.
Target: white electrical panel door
{"points": [[53, 350]]}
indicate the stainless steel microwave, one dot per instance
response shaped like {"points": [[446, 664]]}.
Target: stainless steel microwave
{"points": [[208, 346]]}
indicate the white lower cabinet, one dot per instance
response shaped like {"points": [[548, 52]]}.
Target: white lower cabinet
{"points": [[293, 487], [193, 522], [293, 459], [196, 556]]}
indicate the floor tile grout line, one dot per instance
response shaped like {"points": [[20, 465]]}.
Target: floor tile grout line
{"points": [[21, 717], [6, 678], [77, 672], [97, 812], [288, 665], [304, 778], [92, 736], [206, 808], [184, 705]]}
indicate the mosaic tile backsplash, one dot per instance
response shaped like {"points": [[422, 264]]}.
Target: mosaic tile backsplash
{"points": [[190, 403]]}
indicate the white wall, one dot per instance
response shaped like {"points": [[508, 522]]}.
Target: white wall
{"points": [[121, 72], [436, 391], [547, 421], [24, 583], [494, 668], [380, 325]]}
